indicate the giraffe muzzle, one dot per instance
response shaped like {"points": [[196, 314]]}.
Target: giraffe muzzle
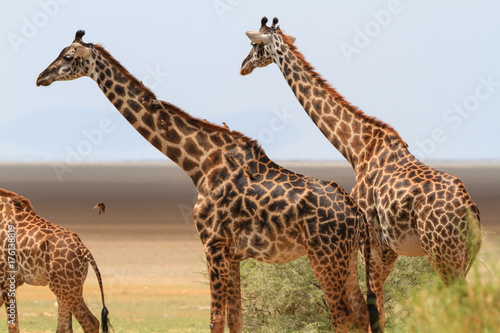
{"points": [[44, 79]]}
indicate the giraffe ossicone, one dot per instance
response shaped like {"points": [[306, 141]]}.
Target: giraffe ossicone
{"points": [[37, 252], [411, 208], [247, 205]]}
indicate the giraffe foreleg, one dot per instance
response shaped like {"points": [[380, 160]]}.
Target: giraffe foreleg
{"points": [[10, 302], [234, 311], [377, 275], [452, 246], [218, 274], [355, 296]]}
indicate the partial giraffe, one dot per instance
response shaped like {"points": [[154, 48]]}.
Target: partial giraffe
{"points": [[39, 253], [412, 209], [247, 206]]}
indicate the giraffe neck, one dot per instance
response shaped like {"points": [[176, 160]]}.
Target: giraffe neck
{"points": [[194, 145], [354, 134]]}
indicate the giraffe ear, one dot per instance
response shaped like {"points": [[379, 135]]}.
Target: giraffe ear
{"points": [[257, 37], [82, 51], [291, 39]]}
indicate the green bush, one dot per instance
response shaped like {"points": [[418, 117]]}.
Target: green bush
{"points": [[282, 298], [288, 298]]}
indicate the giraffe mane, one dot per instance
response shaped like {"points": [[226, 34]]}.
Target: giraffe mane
{"points": [[9, 194], [124, 71], [238, 136], [331, 90]]}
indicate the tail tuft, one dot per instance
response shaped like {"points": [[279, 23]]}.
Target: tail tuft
{"points": [[104, 320], [371, 302]]}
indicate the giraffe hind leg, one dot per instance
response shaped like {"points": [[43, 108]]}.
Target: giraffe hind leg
{"points": [[332, 276], [70, 301], [64, 320], [87, 320]]}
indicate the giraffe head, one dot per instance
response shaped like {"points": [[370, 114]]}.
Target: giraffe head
{"points": [[265, 46], [74, 61]]}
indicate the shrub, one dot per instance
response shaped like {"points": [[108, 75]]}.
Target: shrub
{"points": [[282, 298], [288, 298]]}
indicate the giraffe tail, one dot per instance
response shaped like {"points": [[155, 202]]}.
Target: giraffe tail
{"points": [[371, 298], [105, 324]]}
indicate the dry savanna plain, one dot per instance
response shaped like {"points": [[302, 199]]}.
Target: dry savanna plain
{"points": [[146, 245]]}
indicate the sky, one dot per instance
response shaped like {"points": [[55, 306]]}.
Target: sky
{"points": [[430, 69]]}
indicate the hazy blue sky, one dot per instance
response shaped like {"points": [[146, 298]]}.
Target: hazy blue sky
{"points": [[430, 69]]}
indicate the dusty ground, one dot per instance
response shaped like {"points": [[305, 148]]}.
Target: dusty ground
{"points": [[147, 237]]}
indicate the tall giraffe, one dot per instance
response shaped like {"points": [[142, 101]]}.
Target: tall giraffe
{"points": [[39, 253], [412, 209], [247, 206]]}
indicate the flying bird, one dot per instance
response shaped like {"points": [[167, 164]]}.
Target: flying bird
{"points": [[100, 205]]}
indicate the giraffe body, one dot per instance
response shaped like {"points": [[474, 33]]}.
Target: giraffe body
{"points": [[411, 208], [274, 215], [39, 253], [247, 206]]}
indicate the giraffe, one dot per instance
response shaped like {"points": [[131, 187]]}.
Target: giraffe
{"points": [[247, 206], [39, 253], [412, 209]]}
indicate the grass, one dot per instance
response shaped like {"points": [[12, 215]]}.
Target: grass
{"points": [[138, 308]]}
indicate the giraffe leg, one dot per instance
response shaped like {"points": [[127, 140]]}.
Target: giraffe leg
{"points": [[87, 320], [64, 319], [75, 306], [10, 302], [70, 301], [234, 311], [389, 258], [452, 247], [356, 299], [448, 270], [218, 273], [377, 274], [333, 286], [331, 267]]}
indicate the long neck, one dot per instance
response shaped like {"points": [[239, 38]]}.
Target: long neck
{"points": [[192, 144], [354, 134]]}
